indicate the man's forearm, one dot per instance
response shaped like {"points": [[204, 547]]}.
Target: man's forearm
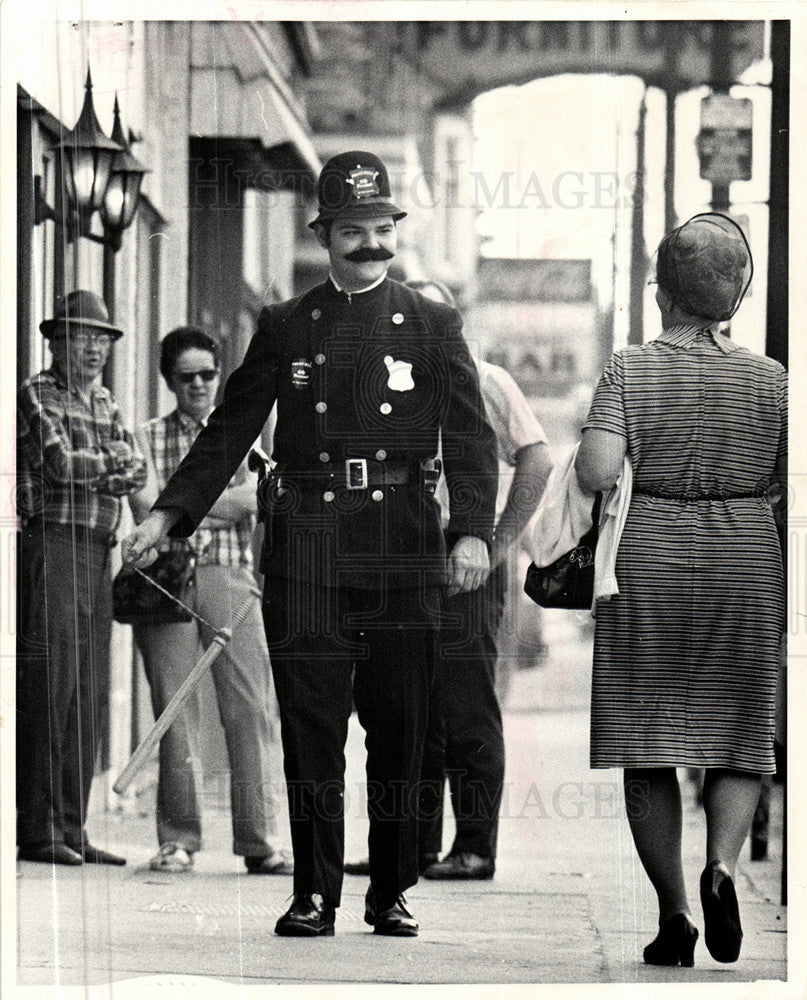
{"points": [[533, 467]]}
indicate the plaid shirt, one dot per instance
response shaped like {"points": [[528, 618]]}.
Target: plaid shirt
{"points": [[71, 466], [170, 439]]}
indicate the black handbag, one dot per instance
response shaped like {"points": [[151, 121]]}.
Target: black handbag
{"points": [[136, 602], [568, 582]]}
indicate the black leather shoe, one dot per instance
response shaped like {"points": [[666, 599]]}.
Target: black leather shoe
{"points": [[721, 914], [50, 854], [463, 864], [308, 916], [97, 856], [389, 915], [674, 944]]}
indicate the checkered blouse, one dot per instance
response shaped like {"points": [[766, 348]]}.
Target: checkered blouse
{"points": [[170, 439]]}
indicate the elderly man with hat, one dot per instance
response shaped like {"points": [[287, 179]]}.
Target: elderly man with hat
{"points": [[367, 374], [75, 461]]}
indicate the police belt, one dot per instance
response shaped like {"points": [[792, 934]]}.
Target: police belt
{"points": [[359, 474]]}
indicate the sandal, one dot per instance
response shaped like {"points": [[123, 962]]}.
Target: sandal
{"points": [[172, 858]]}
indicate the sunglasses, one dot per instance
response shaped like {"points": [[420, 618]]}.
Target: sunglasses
{"points": [[206, 375]]}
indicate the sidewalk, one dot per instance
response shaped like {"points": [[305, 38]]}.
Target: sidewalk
{"points": [[569, 903]]}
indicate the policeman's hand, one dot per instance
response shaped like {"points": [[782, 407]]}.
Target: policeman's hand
{"points": [[468, 565], [139, 548]]}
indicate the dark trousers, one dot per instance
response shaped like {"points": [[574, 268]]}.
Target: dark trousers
{"points": [[329, 648], [65, 619], [464, 741]]}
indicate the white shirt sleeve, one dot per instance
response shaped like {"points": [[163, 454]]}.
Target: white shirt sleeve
{"points": [[510, 415]]}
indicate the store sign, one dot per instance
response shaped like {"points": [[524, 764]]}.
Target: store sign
{"points": [[518, 280], [724, 141], [466, 58]]}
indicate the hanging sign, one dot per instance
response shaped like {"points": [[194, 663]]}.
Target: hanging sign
{"points": [[465, 58], [724, 141]]}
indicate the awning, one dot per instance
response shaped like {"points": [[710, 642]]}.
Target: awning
{"points": [[238, 93]]}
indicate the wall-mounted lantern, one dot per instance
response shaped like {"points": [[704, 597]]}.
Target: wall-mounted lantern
{"points": [[99, 174], [123, 187]]}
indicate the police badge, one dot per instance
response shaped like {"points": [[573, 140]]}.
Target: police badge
{"points": [[400, 374], [363, 180], [301, 373]]}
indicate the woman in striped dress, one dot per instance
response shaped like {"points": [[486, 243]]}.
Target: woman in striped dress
{"points": [[686, 656]]}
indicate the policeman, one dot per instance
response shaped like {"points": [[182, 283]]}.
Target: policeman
{"points": [[367, 374]]}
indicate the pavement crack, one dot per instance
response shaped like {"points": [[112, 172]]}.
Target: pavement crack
{"points": [[599, 949]]}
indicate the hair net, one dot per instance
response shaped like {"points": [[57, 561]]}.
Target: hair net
{"points": [[705, 266]]}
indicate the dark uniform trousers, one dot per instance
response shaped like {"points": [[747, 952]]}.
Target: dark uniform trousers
{"points": [[65, 621], [464, 740], [329, 647]]}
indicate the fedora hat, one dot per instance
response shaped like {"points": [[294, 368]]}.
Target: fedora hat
{"points": [[355, 185], [82, 309]]}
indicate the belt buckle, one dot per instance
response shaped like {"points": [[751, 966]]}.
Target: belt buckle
{"points": [[356, 473]]}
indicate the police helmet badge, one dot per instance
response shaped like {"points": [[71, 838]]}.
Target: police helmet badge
{"points": [[300, 373], [354, 184], [363, 181]]}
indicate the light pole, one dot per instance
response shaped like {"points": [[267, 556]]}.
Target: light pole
{"points": [[638, 253]]}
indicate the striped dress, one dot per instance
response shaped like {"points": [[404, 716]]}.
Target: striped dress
{"points": [[686, 657]]}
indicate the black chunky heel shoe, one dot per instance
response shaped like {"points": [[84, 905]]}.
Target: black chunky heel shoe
{"points": [[721, 914], [674, 944]]}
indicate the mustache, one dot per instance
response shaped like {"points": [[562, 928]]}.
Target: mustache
{"points": [[364, 254]]}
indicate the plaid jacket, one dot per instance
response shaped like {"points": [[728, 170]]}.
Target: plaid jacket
{"points": [[170, 439], [74, 457]]}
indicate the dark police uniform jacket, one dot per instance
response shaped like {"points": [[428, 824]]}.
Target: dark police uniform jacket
{"points": [[378, 376]]}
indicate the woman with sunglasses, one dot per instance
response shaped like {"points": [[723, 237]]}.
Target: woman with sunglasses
{"points": [[686, 655], [221, 556]]}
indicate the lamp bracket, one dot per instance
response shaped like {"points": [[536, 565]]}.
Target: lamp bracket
{"points": [[71, 226], [42, 209]]}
